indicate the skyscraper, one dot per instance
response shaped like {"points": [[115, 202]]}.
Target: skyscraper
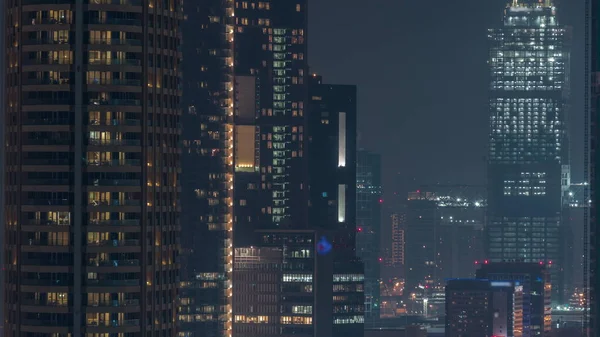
{"points": [[422, 226], [477, 307], [368, 225], [92, 163], [528, 162], [246, 98], [398, 243], [332, 155]]}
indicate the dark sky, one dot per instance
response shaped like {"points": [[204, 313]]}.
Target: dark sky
{"points": [[421, 72]]}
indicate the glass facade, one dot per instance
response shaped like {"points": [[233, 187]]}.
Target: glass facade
{"points": [[528, 144], [368, 226]]}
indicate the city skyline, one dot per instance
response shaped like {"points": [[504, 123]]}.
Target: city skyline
{"points": [[225, 168]]}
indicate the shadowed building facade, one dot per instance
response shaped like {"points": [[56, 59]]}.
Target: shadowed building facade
{"points": [[92, 167], [528, 166], [245, 121]]}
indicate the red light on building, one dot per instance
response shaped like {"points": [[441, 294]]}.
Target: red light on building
{"points": [[549, 262], [381, 201], [380, 259], [476, 262], [359, 229], [486, 262], [541, 263]]}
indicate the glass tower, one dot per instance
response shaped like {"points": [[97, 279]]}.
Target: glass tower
{"points": [[368, 226], [528, 150], [92, 167]]}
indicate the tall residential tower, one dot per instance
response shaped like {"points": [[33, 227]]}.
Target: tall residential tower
{"points": [[246, 95], [92, 167], [528, 151]]}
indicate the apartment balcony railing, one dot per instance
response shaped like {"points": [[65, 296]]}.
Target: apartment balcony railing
{"points": [[115, 162], [119, 142], [113, 222], [114, 243], [113, 263]]}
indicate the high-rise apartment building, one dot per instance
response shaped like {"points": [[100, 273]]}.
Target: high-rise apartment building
{"points": [[398, 241], [477, 307], [537, 290], [368, 225], [92, 167], [244, 142], [528, 148], [292, 289], [246, 154]]}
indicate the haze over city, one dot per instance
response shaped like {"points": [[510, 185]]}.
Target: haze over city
{"points": [[262, 168]]}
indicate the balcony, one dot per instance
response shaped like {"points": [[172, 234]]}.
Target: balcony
{"points": [[45, 242], [114, 2], [114, 323], [41, 222], [115, 303], [118, 62], [46, 182], [45, 141], [115, 21], [47, 121], [49, 101], [114, 263], [93, 222], [116, 182], [45, 263], [45, 162], [116, 122], [129, 202], [46, 303], [46, 2], [136, 83], [114, 142], [34, 42], [47, 21], [44, 323], [46, 81], [127, 102], [114, 163], [45, 283], [117, 42], [114, 243], [46, 61], [47, 202], [113, 283]]}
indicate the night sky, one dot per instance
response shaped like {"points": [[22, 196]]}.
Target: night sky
{"points": [[421, 72]]}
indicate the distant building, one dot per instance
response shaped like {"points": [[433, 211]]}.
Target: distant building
{"points": [[535, 279], [528, 160], [398, 241], [460, 236], [283, 287], [368, 226], [443, 235], [422, 224], [483, 308]]}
